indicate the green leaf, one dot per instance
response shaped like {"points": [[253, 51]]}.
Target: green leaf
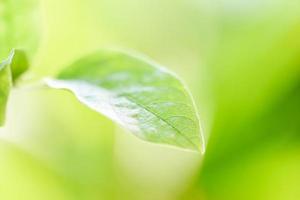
{"points": [[266, 149], [19, 64], [5, 85], [136, 93], [18, 22], [10, 69]]}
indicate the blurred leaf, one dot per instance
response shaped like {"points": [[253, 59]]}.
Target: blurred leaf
{"points": [[18, 25], [19, 64], [136, 93], [254, 64], [256, 161], [246, 79], [5, 80], [10, 70]]}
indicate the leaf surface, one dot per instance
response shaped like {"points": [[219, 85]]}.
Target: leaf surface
{"points": [[138, 94]]}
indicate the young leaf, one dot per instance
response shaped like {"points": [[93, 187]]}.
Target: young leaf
{"points": [[10, 70], [136, 93]]}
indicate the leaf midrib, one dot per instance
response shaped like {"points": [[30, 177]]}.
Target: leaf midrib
{"points": [[162, 119]]}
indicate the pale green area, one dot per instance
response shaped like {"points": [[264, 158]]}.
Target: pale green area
{"points": [[136, 93], [19, 26], [239, 58]]}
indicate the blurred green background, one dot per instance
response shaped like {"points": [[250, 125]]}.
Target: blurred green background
{"points": [[241, 60]]}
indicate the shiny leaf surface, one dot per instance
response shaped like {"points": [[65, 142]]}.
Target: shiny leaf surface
{"points": [[136, 93]]}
